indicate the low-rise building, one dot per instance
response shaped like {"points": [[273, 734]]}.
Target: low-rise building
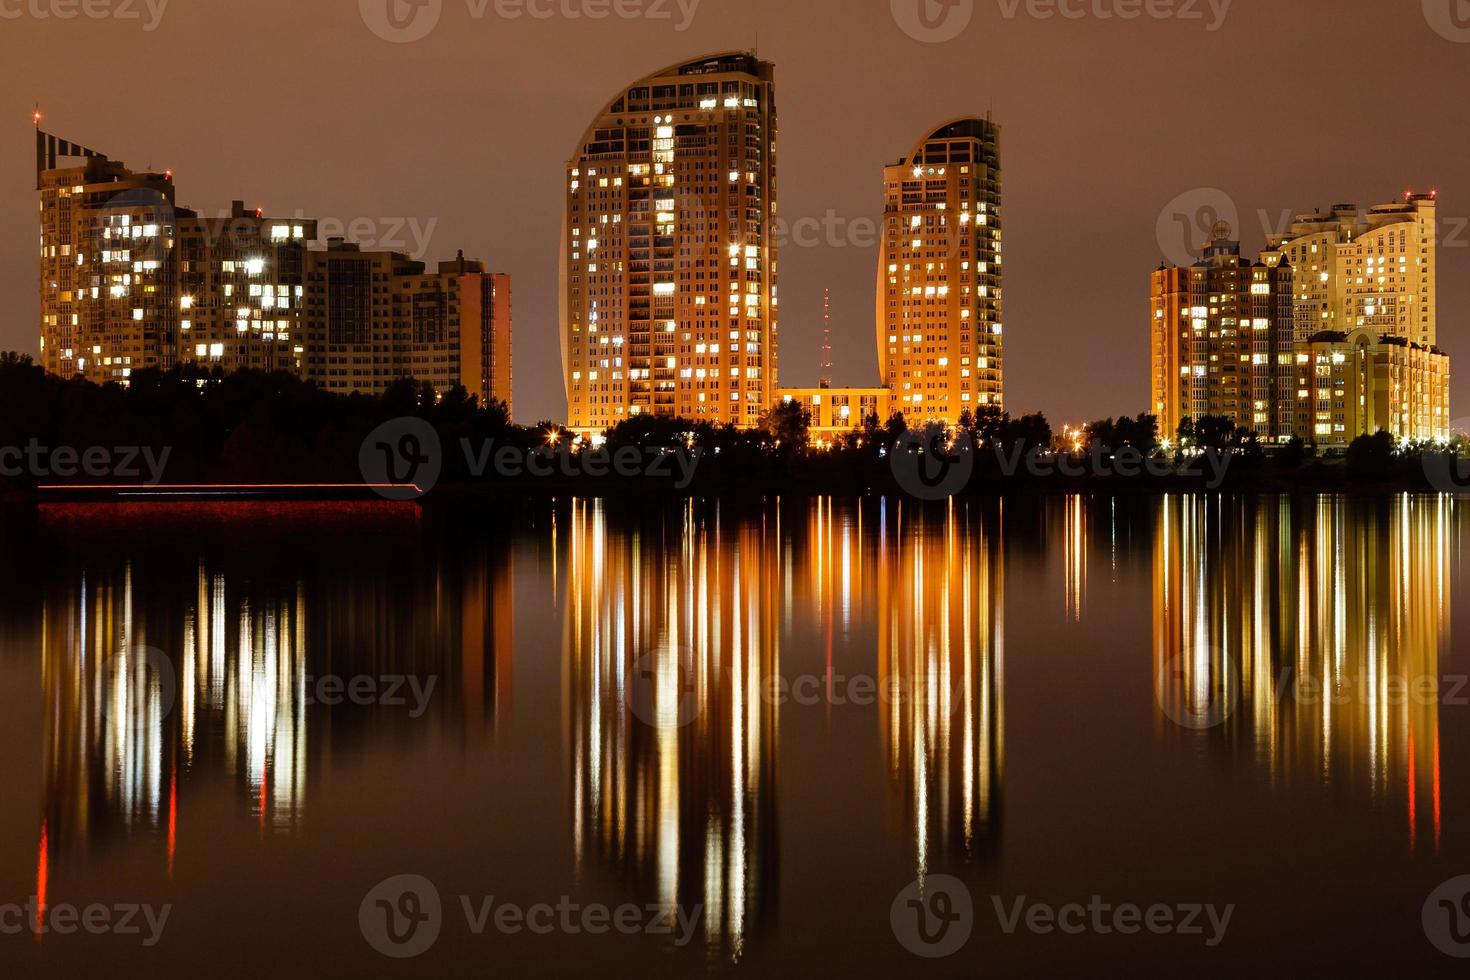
{"points": [[835, 412]]}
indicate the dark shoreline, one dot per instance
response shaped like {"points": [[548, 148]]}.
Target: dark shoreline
{"points": [[550, 488]]}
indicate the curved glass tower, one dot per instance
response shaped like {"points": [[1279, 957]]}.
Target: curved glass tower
{"points": [[939, 275], [668, 259]]}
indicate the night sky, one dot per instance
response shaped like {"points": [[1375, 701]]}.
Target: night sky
{"points": [[459, 139]]}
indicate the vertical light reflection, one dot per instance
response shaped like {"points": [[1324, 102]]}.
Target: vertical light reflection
{"points": [[671, 644], [1328, 617], [1075, 556], [940, 601], [162, 675]]}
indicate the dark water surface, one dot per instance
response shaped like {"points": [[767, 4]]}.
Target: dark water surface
{"points": [[771, 717]]}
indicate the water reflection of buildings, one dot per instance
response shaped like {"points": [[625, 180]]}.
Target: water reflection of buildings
{"points": [[133, 699], [1075, 541], [672, 636], [1318, 624], [941, 657], [175, 668]]}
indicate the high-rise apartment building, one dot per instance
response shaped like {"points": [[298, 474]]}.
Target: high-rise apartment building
{"points": [[1329, 337], [131, 281], [375, 317], [108, 276], [241, 283], [939, 316], [1359, 383], [1222, 343], [1373, 271], [668, 259]]}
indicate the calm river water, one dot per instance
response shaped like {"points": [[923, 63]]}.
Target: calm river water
{"points": [[1193, 735]]}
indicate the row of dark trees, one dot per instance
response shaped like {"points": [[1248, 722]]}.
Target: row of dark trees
{"points": [[243, 427], [252, 427], [1368, 458]]}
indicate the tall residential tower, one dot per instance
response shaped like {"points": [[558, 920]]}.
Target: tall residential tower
{"points": [[130, 281], [108, 272], [1375, 271], [939, 314], [1222, 342], [668, 259], [1331, 336]]}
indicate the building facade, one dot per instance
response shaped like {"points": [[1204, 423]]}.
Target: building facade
{"points": [[835, 412], [940, 317], [129, 280], [241, 284], [375, 317], [1375, 271], [1222, 343], [1331, 335], [107, 272], [668, 258], [1361, 383]]}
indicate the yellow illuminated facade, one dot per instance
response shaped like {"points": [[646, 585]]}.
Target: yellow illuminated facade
{"points": [[242, 290], [836, 412], [1330, 336], [668, 257], [1222, 344], [109, 298], [129, 281], [939, 316], [1359, 384], [1373, 271]]}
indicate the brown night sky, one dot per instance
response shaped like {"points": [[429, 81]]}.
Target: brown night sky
{"points": [[298, 106]]}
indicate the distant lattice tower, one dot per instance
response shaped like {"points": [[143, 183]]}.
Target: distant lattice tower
{"points": [[826, 379]]}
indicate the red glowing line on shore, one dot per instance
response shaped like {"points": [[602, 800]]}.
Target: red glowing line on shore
{"points": [[42, 873], [205, 487]]}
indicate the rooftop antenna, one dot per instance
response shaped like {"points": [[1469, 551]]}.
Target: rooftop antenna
{"points": [[826, 381]]}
